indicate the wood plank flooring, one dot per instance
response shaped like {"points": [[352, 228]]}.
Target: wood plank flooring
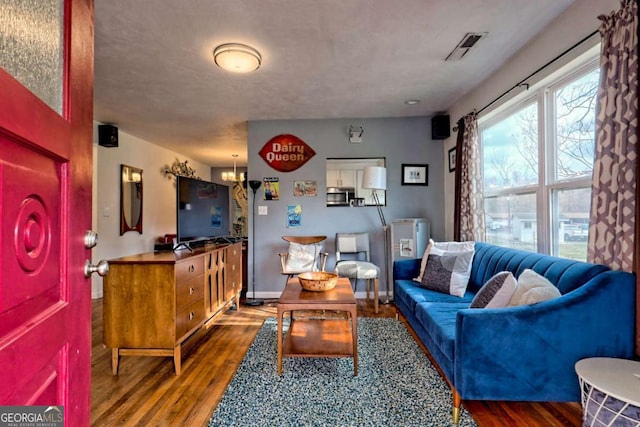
{"points": [[147, 393]]}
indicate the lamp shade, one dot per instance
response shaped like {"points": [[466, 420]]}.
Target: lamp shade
{"points": [[374, 178]]}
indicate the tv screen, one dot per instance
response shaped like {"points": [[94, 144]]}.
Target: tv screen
{"points": [[202, 210]]}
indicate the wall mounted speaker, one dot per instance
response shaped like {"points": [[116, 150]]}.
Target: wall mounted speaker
{"points": [[107, 135], [440, 127]]}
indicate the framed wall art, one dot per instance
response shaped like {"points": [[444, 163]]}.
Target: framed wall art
{"points": [[452, 159], [415, 174]]}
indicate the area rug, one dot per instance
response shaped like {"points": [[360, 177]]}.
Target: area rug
{"points": [[396, 385]]}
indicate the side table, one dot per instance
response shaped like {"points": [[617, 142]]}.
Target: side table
{"points": [[610, 391]]}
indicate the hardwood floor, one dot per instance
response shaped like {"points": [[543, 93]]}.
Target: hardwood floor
{"points": [[147, 393]]}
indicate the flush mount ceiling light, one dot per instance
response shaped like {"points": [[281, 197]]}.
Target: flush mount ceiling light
{"points": [[237, 58], [412, 101]]}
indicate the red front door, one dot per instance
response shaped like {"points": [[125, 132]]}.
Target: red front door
{"points": [[46, 108]]}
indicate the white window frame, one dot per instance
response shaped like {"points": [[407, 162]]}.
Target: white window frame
{"points": [[542, 95]]}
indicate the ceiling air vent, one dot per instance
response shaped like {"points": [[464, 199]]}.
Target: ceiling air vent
{"points": [[468, 41]]}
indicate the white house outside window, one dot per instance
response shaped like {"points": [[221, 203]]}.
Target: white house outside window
{"points": [[537, 158]]}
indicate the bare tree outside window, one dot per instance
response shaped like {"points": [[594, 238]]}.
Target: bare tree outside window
{"points": [[510, 150], [575, 127], [511, 158]]}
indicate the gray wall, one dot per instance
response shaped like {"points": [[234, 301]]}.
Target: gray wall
{"points": [[399, 140]]}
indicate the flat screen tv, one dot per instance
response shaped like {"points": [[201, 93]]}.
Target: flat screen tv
{"points": [[203, 211]]}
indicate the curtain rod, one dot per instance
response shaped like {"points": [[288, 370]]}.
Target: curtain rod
{"points": [[522, 82]]}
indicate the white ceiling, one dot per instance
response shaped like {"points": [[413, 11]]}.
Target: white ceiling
{"points": [[155, 77]]}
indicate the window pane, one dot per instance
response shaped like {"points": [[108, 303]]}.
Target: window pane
{"points": [[31, 46], [571, 220], [510, 151], [575, 105], [511, 221]]}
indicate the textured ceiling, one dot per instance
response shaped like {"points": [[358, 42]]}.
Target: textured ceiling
{"points": [[155, 77]]}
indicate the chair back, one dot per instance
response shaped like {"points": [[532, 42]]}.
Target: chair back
{"points": [[304, 254], [352, 243], [304, 240]]}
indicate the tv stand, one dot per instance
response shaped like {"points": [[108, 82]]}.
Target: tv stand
{"points": [[155, 301], [185, 245]]}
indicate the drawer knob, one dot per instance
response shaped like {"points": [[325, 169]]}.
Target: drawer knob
{"points": [[192, 315], [191, 291], [192, 269]]}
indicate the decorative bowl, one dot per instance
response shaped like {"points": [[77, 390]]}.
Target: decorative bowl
{"points": [[318, 281]]}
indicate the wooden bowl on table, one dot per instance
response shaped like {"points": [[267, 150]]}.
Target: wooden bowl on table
{"points": [[318, 281]]}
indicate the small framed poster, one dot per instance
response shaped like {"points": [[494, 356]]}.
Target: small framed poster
{"points": [[294, 216], [452, 159], [415, 174]]}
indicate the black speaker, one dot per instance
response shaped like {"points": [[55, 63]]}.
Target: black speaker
{"points": [[440, 127], [107, 135]]}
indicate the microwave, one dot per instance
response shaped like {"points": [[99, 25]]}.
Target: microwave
{"points": [[340, 196]]}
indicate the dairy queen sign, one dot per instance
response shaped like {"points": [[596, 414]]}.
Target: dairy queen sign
{"points": [[286, 153]]}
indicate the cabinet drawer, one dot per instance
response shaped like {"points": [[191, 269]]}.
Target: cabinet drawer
{"points": [[188, 317], [189, 269], [189, 291], [234, 251]]}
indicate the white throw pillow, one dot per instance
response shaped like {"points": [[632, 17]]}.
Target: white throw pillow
{"points": [[496, 292], [423, 263], [302, 257], [444, 246], [533, 288]]}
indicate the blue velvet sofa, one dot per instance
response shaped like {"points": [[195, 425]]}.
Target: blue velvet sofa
{"points": [[524, 353]]}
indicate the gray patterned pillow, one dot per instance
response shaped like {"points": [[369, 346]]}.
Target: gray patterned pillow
{"points": [[438, 249], [447, 272], [496, 292]]}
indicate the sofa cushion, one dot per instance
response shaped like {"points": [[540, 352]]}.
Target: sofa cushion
{"points": [[533, 288], [447, 271], [497, 292], [410, 293], [439, 320]]}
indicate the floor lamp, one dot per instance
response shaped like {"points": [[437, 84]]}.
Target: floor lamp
{"points": [[375, 178], [253, 301]]}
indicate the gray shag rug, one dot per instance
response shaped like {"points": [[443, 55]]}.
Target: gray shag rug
{"points": [[396, 385]]}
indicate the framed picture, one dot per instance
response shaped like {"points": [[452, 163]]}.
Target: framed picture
{"points": [[415, 174], [452, 159]]}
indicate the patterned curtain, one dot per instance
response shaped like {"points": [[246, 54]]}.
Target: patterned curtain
{"points": [[469, 221], [613, 204]]}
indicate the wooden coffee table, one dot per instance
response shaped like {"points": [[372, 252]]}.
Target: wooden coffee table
{"points": [[318, 337]]}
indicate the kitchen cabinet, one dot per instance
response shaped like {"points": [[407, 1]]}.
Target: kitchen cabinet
{"points": [[341, 178]]}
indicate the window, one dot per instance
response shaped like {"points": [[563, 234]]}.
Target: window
{"points": [[537, 156]]}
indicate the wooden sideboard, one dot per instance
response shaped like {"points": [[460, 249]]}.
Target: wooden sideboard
{"points": [[155, 301]]}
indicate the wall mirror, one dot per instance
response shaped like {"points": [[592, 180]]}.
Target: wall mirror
{"points": [[130, 199], [344, 175]]}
